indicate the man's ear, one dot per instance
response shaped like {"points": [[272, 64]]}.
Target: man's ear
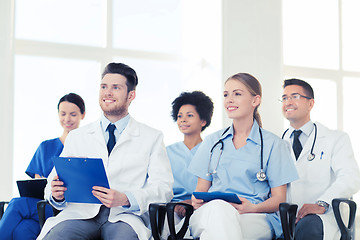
{"points": [[203, 123], [311, 103], [131, 95]]}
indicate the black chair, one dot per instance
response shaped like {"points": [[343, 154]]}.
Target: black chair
{"points": [[288, 217], [347, 232], [157, 217], [158, 211], [41, 211], [2, 208]]}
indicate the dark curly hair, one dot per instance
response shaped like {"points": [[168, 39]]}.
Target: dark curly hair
{"points": [[202, 103]]}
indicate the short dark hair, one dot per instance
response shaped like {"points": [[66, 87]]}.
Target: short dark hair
{"points": [[202, 103], [75, 99], [126, 71], [307, 88]]}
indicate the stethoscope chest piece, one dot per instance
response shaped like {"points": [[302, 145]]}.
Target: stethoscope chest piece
{"points": [[261, 176], [311, 157]]}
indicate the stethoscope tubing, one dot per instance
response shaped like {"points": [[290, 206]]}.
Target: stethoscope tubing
{"points": [[261, 176], [312, 154]]}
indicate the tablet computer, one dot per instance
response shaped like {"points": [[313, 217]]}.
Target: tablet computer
{"points": [[79, 176], [32, 187], [208, 196]]}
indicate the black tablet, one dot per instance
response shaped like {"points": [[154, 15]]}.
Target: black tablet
{"points": [[208, 196], [32, 187]]}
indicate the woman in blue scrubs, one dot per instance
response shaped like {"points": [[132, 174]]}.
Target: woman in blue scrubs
{"points": [[20, 220], [235, 169], [192, 111]]}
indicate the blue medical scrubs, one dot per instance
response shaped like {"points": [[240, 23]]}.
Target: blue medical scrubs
{"points": [[20, 219], [184, 181], [237, 168]]}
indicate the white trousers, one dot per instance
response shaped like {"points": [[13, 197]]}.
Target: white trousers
{"points": [[219, 220]]}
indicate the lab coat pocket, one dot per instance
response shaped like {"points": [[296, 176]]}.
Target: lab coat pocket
{"points": [[131, 170], [317, 167]]}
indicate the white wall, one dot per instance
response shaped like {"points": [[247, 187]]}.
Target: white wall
{"points": [[252, 43], [6, 97]]}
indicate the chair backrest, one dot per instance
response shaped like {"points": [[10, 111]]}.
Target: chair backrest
{"points": [[157, 213], [346, 231], [41, 211], [288, 218], [2, 208], [170, 210]]}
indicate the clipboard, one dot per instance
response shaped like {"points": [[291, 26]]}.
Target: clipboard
{"points": [[33, 188], [79, 176], [208, 196]]}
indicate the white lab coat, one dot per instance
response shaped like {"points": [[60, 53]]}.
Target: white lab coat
{"points": [[333, 173], [138, 164]]}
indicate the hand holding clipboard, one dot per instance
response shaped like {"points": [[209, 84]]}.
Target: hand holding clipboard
{"points": [[79, 176]]}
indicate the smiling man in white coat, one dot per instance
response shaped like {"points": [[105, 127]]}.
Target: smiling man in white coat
{"points": [[137, 167], [325, 163]]}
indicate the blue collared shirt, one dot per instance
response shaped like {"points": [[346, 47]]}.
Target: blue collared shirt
{"points": [[120, 126], [306, 129]]}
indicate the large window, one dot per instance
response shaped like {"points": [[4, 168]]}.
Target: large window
{"points": [[62, 47], [321, 45]]}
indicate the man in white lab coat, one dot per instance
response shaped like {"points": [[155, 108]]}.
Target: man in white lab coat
{"points": [[325, 163], [137, 167]]}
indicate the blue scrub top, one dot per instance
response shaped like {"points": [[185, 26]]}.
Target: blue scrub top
{"points": [[184, 181], [42, 162], [236, 172]]}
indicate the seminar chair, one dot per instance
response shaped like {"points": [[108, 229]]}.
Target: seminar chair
{"points": [[158, 211], [288, 217], [41, 211], [2, 208]]}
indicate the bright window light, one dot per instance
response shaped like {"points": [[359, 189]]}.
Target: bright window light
{"points": [[39, 84], [311, 33], [153, 26], [351, 36], [325, 108], [80, 22], [351, 114]]}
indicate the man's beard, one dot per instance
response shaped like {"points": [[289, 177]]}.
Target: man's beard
{"points": [[116, 112]]}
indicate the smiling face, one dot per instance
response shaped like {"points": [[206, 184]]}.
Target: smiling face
{"points": [[239, 103], [113, 96], [297, 111], [69, 116], [188, 120]]}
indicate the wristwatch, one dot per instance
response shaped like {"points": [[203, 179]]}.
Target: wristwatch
{"points": [[323, 204]]}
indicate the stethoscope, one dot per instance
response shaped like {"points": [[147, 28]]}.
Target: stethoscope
{"points": [[261, 176], [312, 154]]}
